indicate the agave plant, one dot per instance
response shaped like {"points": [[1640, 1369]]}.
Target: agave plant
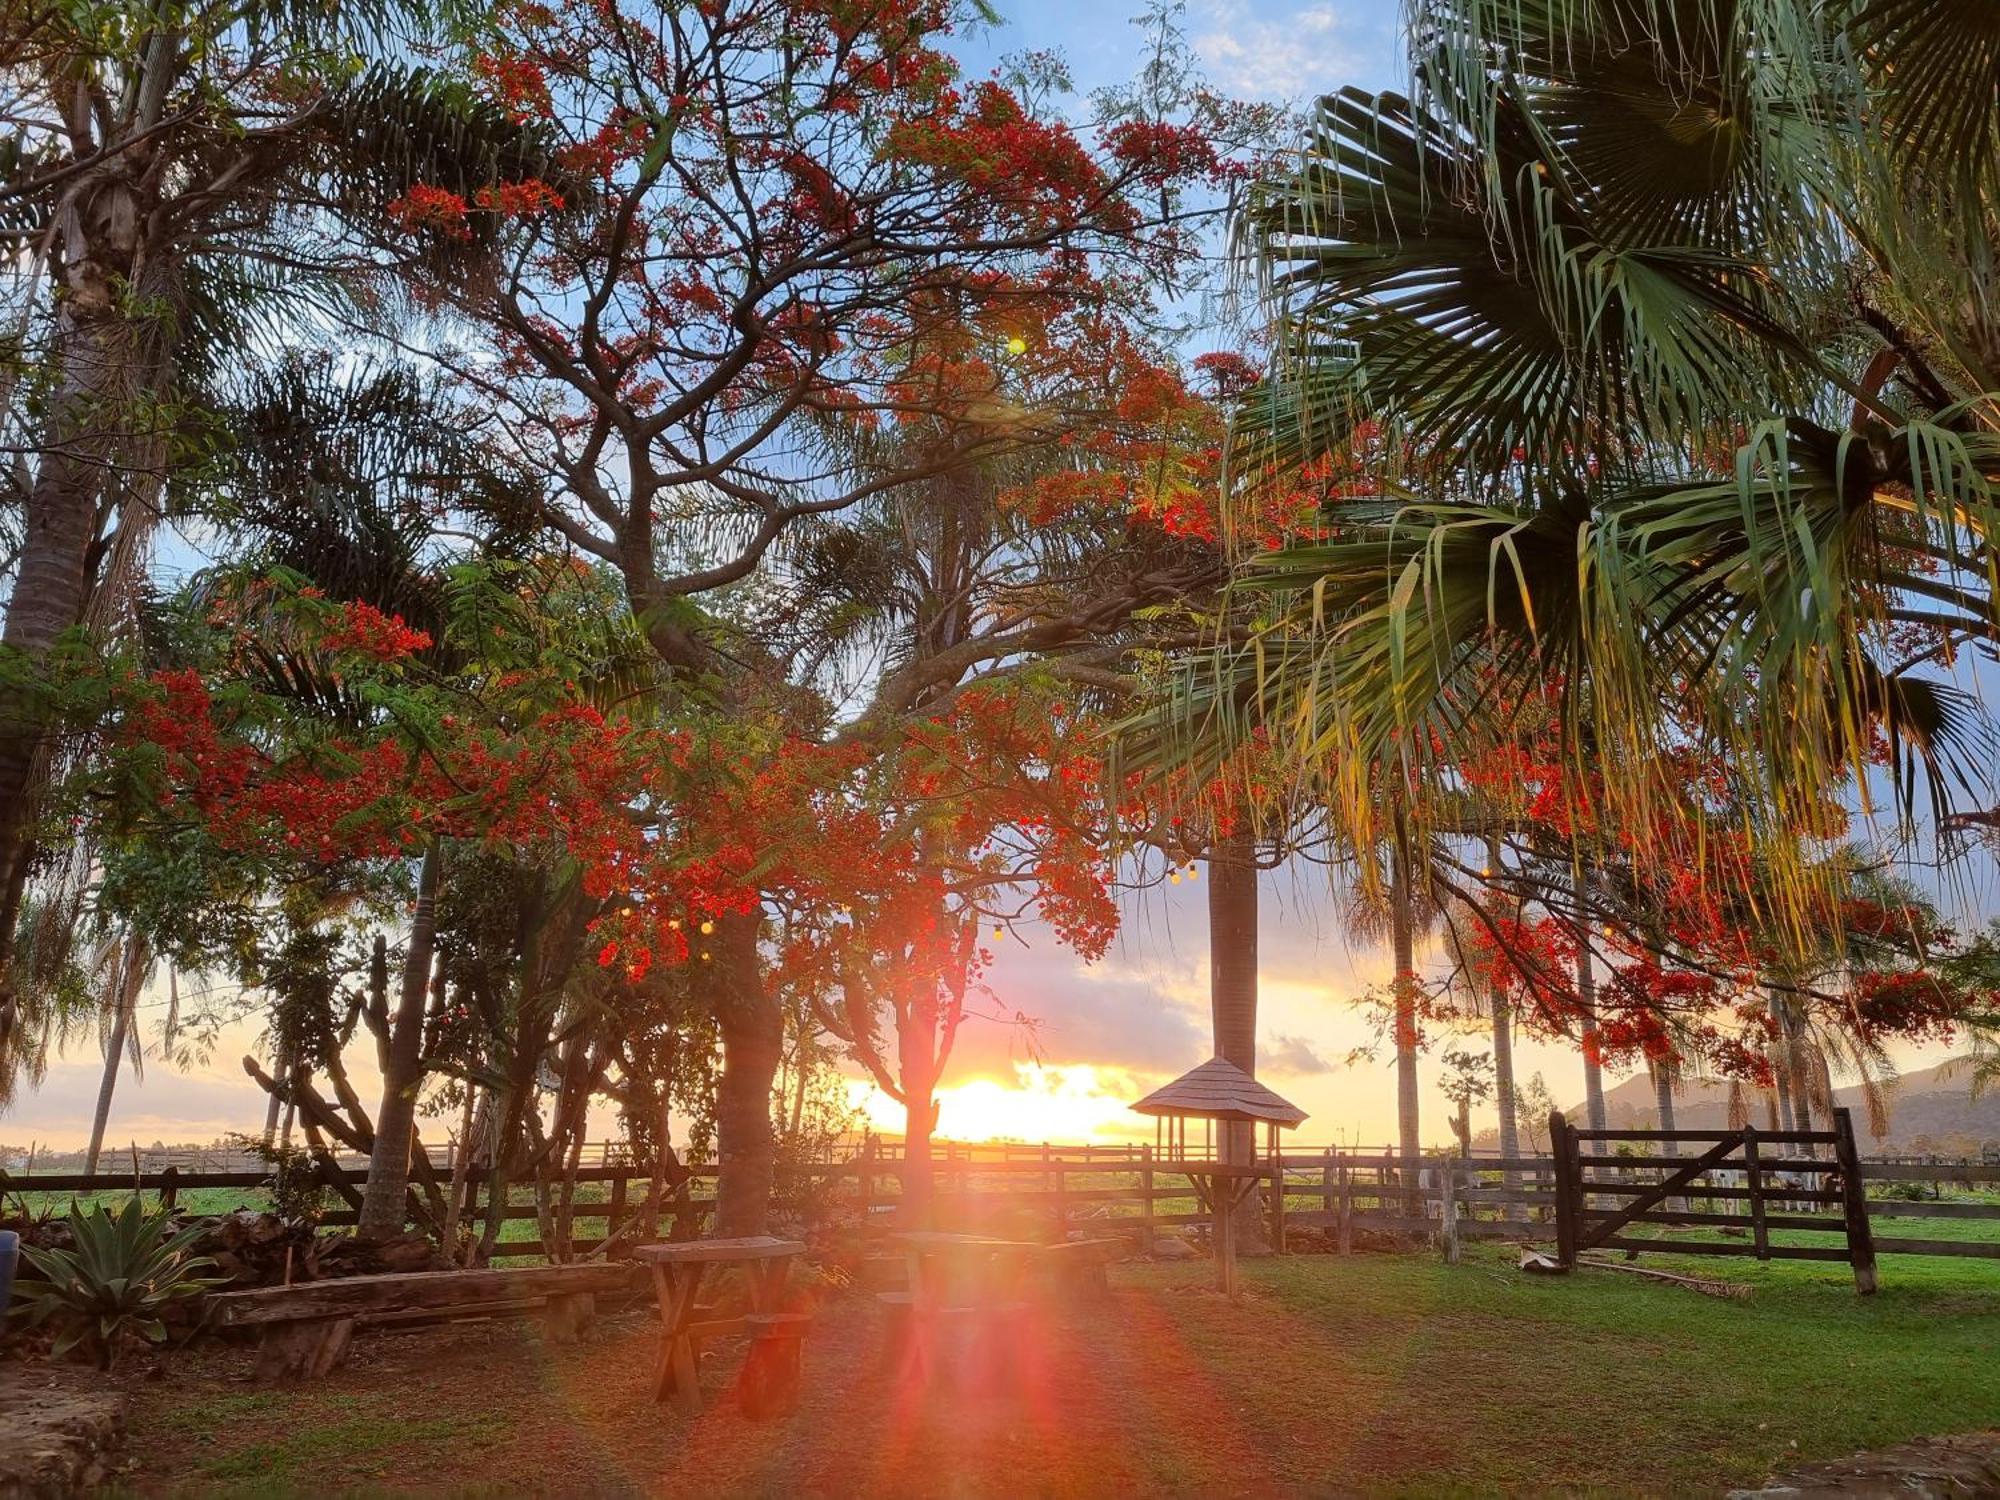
{"points": [[121, 1275]]}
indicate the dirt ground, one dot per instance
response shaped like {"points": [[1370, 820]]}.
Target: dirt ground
{"points": [[487, 1408]]}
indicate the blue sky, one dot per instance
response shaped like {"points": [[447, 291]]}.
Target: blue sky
{"points": [[1251, 48]]}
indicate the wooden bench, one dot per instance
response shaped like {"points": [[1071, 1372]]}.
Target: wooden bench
{"points": [[1076, 1267], [769, 1383], [307, 1327]]}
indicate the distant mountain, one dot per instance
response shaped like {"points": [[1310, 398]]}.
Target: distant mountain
{"points": [[1927, 1112]]}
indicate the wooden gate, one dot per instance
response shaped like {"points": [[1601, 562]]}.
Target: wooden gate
{"points": [[1758, 1182]]}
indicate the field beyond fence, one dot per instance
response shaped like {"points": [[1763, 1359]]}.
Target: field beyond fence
{"points": [[1052, 1190]]}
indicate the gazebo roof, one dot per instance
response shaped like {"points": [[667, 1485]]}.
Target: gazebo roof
{"points": [[1219, 1090]]}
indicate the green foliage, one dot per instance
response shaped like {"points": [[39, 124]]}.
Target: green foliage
{"points": [[1658, 331], [297, 1188], [121, 1274]]}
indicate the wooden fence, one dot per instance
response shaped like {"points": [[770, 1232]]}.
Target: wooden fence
{"points": [[1051, 1190], [1769, 1181]]}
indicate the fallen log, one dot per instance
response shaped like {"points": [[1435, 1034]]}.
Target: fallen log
{"points": [[1734, 1291]]}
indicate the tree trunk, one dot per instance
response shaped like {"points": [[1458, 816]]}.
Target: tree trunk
{"points": [[1792, 1076], [127, 975], [1503, 1098], [1663, 1095], [1586, 995], [273, 1104], [753, 1043], [461, 1166], [916, 1070], [1403, 943], [1232, 1001], [99, 361], [383, 1209]]}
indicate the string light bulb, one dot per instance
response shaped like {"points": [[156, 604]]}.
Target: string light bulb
{"points": [[1193, 871], [1017, 345], [704, 955], [1174, 878], [707, 928]]}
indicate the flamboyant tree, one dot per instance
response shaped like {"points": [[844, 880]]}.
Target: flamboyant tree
{"points": [[799, 228], [354, 773], [1681, 946]]}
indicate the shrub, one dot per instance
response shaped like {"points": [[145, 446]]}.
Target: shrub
{"points": [[122, 1272]]}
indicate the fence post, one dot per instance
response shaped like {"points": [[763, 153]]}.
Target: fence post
{"points": [[1278, 1201], [1448, 1204], [1753, 1180], [10, 1253], [1344, 1224], [866, 1168], [1062, 1200], [616, 1217], [170, 1188], [1562, 1146], [1146, 1208], [1854, 1196]]}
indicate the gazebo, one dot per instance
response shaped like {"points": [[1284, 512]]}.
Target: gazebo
{"points": [[1220, 1092]]}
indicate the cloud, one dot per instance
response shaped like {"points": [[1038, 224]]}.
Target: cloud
{"points": [[1148, 1017], [1296, 54], [1292, 1055]]}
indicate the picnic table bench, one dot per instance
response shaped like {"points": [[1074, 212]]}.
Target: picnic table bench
{"points": [[968, 1284], [307, 1326], [769, 1383], [1076, 1267]]}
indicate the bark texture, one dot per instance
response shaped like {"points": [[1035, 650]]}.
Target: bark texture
{"points": [[753, 1043], [1232, 999], [383, 1202]]}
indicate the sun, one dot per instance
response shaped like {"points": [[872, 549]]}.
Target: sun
{"points": [[1069, 1102]]}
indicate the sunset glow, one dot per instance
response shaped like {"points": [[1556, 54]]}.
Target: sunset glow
{"points": [[1075, 1102]]}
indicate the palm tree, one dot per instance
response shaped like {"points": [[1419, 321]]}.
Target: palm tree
{"points": [[1671, 318], [1662, 1070], [1586, 1004], [124, 961], [1232, 997], [1403, 956], [1500, 1019]]}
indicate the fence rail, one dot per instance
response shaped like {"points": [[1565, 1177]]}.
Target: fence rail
{"points": [[1056, 1189]]}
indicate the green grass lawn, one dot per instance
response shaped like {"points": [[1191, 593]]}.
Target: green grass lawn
{"points": [[1603, 1379]]}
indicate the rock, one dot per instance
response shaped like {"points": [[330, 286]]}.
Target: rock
{"points": [[252, 1249], [53, 1435], [347, 1256], [1944, 1468], [1173, 1247]]}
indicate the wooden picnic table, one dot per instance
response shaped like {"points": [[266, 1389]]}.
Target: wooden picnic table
{"points": [[678, 1270], [942, 1265], [969, 1284]]}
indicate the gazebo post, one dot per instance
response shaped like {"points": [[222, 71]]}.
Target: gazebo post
{"points": [[1277, 1191], [1223, 1196]]}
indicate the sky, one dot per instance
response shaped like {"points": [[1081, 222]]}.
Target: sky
{"points": [[1102, 1034]]}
